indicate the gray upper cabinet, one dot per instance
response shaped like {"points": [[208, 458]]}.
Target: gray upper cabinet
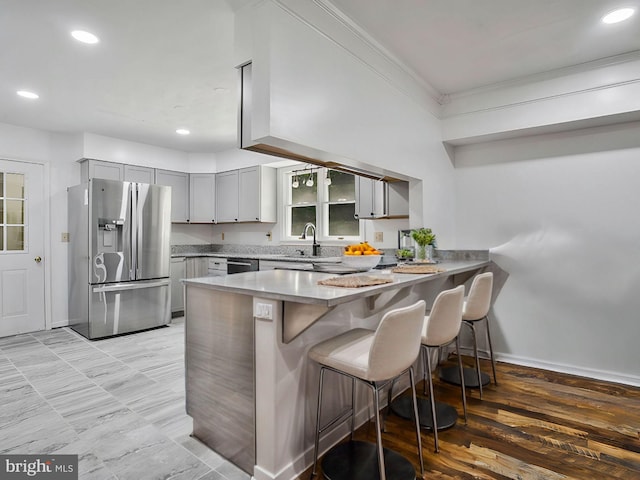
{"points": [[397, 199], [370, 198], [134, 173], [227, 197], [179, 183], [202, 196], [246, 195], [90, 168], [380, 199], [257, 187]]}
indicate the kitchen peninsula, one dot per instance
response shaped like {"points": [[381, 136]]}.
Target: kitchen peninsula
{"points": [[249, 387]]}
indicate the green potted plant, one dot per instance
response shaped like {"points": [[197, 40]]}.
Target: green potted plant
{"points": [[404, 254], [426, 240]]}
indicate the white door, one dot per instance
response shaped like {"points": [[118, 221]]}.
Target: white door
{"points": [[21, 248]]}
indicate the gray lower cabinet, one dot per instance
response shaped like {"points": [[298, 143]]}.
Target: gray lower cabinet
{"points": [[181, 267], [178, 272]]}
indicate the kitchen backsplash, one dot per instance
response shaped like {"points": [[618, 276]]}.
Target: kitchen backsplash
{"points": [[325, 251], [289, 250]]}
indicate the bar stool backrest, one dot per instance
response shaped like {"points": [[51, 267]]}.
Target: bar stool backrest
{"points": [[396, 343], [444, 320], [478, 302]]}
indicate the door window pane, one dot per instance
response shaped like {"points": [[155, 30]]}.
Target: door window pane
{"points": [[12, 211], [342, 188], [15, 238], [341, 220], [14, 185], [15, 211], [299, 218]]}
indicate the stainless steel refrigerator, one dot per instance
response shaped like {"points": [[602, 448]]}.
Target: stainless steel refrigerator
{"points": [[119, 257]]}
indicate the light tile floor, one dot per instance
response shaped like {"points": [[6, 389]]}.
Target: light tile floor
{"points": [[117, 403]]}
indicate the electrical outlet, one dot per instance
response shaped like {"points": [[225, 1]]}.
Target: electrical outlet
{"points": [[378, 236], [264, 310], [64, 237]]}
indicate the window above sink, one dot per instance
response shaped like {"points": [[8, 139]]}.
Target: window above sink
{"points": [[324, 197]]}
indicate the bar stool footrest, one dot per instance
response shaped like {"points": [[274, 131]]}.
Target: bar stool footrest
{"points": [[355, 460], [452, 375], [446, 415]]}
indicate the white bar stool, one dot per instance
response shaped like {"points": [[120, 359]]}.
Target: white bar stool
{"points": [[475, 309], [374, 358], [441, 327]]}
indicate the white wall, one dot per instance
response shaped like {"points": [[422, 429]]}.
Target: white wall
{"points": [[559, 213], [311, 91], [235, 158], [57, 153], [122, 151]]}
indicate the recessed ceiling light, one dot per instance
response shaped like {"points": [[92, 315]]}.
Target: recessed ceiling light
{"points": [[618, 15], [84, 37], [28, 94], [182, 131]]}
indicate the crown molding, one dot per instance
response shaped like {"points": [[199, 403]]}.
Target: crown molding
{"points": [[547, 75]]}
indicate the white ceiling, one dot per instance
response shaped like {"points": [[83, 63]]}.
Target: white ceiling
{"points": [[159, 62], [458, 45]]}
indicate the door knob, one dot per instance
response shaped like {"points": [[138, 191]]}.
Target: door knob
{"points": [[38, 259]]}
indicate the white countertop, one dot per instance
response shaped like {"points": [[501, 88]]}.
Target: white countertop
{"points": [[301, 286]]}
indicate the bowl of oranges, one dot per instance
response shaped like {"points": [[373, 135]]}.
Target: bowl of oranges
{"points": [[361, 256]]}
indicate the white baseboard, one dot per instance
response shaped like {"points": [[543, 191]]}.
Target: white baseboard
{"points": [[632, 380], [60, 323], [595, 374]]}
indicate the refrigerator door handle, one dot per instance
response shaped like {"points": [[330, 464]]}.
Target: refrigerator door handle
{"points": [[117, 287], [134, 230]]}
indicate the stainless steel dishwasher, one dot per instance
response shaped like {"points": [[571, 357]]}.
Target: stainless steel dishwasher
{"points": [[241, 265]]}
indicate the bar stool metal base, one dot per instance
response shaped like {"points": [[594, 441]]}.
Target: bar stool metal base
{"points": [[446, 415], [354, 460], [452, 375]]}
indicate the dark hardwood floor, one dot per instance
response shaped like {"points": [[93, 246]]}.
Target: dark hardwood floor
{"points": [[534, 424]]}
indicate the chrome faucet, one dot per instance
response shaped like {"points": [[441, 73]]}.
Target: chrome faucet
{"points": [[316, 245]]}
